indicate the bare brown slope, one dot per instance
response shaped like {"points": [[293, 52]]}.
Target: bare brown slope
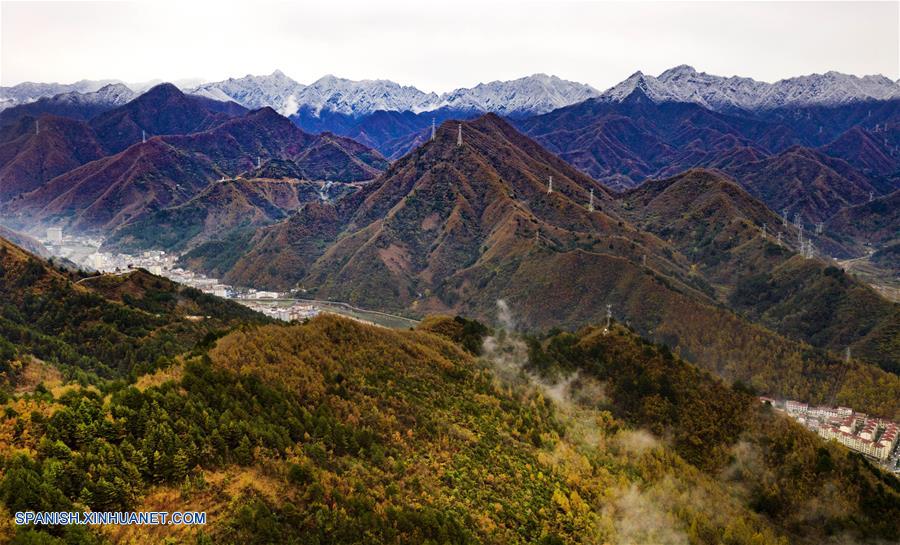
{"points": [[163, 110], [219, 210], [439, 209], [804, 181], [168, 170], [44, 149], [457, 228]]}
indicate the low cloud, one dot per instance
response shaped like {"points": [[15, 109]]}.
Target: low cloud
{"points": [[639, 521], [636, 442], [290, 106]]}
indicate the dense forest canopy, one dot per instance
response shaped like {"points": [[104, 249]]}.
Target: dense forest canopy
{"points": [[339, 432]]}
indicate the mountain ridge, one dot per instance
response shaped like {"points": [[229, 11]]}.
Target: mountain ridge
{"points": [[685, 84], [167, 170]]}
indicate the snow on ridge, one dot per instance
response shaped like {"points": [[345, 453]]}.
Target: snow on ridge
{"points": [[27, 92], [685, 84], [533, 94], [275, 90]]}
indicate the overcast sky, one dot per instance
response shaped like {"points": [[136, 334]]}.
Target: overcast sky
{"points": [[441, 45]]}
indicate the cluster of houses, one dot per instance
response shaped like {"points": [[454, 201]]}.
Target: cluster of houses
{"points": [[873, 437]]}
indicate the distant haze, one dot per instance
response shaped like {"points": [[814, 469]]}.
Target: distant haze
{"points": [[439, 46]]}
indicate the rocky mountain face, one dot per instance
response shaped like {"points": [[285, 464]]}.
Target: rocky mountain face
{"points": [[530, 95], [386, 115], [526, 96], [275, 90]]}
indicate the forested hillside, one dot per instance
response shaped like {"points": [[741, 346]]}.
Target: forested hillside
{"points": [[755, 262], [338, 432], [93, 328]]}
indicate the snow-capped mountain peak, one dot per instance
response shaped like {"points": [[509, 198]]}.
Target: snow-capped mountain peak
{"points": [[27, 92], [344, 96], [685, 84], [535, 94], [275, 90], [538, 93]]}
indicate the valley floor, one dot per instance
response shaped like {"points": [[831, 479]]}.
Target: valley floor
{"points": [[884, 281]]}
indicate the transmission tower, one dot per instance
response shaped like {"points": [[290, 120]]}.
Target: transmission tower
{"points": [[550, 186], [143, 136], [459, 136], [764, 231], [433, 129], [819, 228], [591, 201]]}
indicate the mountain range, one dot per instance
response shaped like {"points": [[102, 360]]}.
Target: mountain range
{"points": [[332, 102], [27, 92], [534, 94], [114, 169], [74, 104], [454, 228], [689, 210], [685, 84], [794, 162], [538, 93]]}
